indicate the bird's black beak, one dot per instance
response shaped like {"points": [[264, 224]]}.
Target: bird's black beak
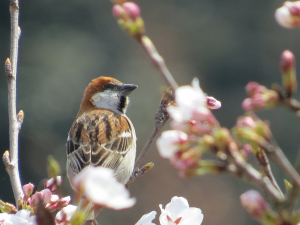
{"points": [[126, 89]]}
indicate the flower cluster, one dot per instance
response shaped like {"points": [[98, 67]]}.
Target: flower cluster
{"points": [[29, 204], [176, 212], [260, 97], [129, 17], [193, 124]]}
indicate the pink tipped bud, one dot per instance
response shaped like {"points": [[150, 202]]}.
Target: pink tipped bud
{"points": [[287, 65], [38, 196], [254, 87], [28, 189], [288, 15], [213, 103], [63, 202], [254, 204], [246, 121], [132, 10], [247, 104], [119, 12], [44, 196], [53, 184]]}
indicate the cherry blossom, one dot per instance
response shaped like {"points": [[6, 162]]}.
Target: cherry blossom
{"points": [[100, 187], [169, 142], [65, 215], [147, 219], [179, 212], [188, 98], [22, 217]]}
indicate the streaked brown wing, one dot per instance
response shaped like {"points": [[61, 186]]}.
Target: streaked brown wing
{"points": [[91, 141]]}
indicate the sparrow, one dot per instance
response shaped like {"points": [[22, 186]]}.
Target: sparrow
{"points": [[102, 134]]}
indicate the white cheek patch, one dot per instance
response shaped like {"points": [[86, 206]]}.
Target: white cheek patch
{"points": [[106, 100]]}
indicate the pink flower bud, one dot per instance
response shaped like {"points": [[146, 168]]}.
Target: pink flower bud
{"points": [[213, 103], [53, 184], [65, 214], [119, 12], [254, 204], [132, 10], [54, 199], [38, 196], [247, 104], [63, 202], [288, 15], [28, 189], [253, 88], [44, 196], [246, 121], [287, 63]]}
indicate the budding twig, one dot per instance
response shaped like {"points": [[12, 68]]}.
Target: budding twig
{"points": [[14, 124], [264, 162], [275, 151], [161, 117], [246, 171], [292, 195], [159, 61]]}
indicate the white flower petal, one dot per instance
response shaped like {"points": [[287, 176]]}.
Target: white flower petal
{"points": [[68, 210], [147, 219], [176, 205], [191, 216], [178, 211], [168, 142], [101, 188]]}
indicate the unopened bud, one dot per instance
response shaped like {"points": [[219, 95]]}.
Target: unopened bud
{"points": [[288, 15], [20, 116], [258, 208], [246, 121], [28, 189], [213, 103], [119, 12], [132, 10], [6, 207], [53, 183], [288, 70]]}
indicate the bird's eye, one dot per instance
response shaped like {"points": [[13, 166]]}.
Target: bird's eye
{"points": [[108, 86]]}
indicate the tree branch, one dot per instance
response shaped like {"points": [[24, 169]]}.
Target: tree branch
{"points": [[158, 61], [14, 124]]}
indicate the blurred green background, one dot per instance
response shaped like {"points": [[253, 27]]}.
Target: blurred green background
{"points": [[65, 44]]}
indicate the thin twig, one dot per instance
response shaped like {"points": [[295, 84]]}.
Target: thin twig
{"points": [[161, 117], [246, 171], [159, 61], [264, 162], [14, 124], [293, 194], [275, 151]]}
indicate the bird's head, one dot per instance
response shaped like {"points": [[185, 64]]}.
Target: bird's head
{"points": [[107, 93]]}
